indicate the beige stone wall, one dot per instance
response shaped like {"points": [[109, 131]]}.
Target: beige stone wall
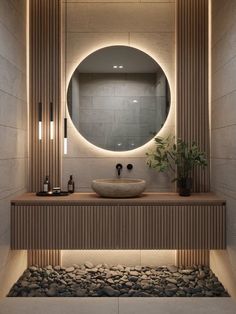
{"points": [[223, 122], [91, 25], [13, 128], [123, 257]]}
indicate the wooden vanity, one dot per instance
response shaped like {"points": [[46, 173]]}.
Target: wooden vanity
{"points": [[152, 221]]}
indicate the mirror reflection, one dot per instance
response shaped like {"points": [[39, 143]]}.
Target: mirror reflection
{"points": [[118, 98]]}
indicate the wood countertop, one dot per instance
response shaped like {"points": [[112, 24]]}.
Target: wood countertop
{"points": [[94, 199]]}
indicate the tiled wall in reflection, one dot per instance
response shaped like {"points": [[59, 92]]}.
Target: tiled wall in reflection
{"points": [[119, 111]]}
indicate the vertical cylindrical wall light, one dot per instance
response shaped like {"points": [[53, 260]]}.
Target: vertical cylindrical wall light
{"points": [[40, 120], [51, 122], [65, 72], [65, 136]]}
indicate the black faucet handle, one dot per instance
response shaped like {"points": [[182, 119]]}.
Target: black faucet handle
{"points": [[130, 166]]}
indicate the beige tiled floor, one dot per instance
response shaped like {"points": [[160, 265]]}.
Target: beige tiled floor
{"points": [[117, 306]]}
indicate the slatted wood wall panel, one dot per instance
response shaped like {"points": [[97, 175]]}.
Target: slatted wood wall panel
{"points": [[118, 227], [44, 258], [192, 80], [45, 87], [193, 257]]}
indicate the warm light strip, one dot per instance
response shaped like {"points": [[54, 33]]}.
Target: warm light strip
{"points": [[51, 122], [65, 136], [40, 130], [40, 120], [65, 146], [51, 130]]}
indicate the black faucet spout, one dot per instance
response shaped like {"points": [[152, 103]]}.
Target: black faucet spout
{"points": [[119, 168]]}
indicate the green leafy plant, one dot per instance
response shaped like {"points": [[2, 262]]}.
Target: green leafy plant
{"points": [[176, 156]]}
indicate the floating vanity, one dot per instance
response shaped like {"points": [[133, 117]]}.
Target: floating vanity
{"points": [[152, 221]]}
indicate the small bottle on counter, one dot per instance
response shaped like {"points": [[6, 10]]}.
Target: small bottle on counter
{"points": [[71, 185], [46, 185]]}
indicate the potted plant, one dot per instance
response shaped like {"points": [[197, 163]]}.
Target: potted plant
{"points": [[178, 157]]}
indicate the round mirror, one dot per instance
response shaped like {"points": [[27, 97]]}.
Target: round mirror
{"points": [[118, 98]]}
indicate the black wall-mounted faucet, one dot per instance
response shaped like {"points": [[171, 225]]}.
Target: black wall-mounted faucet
{"points": [[119, 167]]}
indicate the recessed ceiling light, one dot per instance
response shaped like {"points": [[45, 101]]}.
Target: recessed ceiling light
{"points": [[115, 66], [121, 66], [119, 144], [135, 101]]}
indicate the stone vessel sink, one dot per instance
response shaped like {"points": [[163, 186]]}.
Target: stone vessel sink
{"points": [[118, 188]]}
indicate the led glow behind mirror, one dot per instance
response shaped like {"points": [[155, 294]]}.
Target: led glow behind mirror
{"points": [[118, 98]]}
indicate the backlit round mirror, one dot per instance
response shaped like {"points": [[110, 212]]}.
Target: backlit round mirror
{"points": [[118, 98]]}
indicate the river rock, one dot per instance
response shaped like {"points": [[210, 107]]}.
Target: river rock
{"points": [[24, 283], [57, 268], [172, 268], [109, 291], [120, 268], [92, 270], [49, 267], [133, 278], [129, 284], [33, 268], [144, 277], [52, 292], [103, 280], [81, 292], [138, 268], [171, 280], [33, 286], [201, 274], [89, 265], [187, 271]]}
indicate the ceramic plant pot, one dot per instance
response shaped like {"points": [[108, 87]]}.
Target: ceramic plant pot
{"points": [[185, 186]]}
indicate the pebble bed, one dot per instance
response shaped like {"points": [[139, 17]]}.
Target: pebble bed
{"points": [[102, 280]]}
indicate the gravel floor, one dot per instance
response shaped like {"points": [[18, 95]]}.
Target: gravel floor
{"points": [[117, 281]]}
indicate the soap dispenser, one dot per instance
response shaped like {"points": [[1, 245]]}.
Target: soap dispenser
{"points": [[71, 185]]}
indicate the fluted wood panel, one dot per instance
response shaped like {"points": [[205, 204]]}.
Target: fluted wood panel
{"points": [[43, 258], [193, 257], [64, 227], [44, 87], [118, 227], [192, 80], [172, 227]]}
